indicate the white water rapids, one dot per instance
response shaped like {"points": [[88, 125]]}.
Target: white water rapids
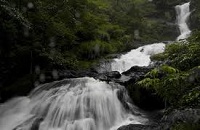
{"points": [[84, 103], [183, 13], [137, 57], [72, 104]]}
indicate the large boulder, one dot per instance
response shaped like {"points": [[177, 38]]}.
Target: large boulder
{"points": [[143, 98], [136, 73]]}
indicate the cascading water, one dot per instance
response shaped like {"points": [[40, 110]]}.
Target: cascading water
{"points": [[83, 103], [141, 55], [137, 57], [183, 13], [71, 104]]}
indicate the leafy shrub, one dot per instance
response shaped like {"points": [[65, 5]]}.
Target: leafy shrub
{"points": [[168, 82], [181, 55]]}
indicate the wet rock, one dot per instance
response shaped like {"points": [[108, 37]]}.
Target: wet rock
{"points": [[36, 124], [136, 73], [123, 80], [132, 75], [113, 74], [137, 69], [108, 76], [143, 98], [35, 121], [191, 116], [187, 115], [124, 98], [138, 127]]}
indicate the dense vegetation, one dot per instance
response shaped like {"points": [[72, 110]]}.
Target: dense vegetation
{"points": [[41, 36], [177, 80]]}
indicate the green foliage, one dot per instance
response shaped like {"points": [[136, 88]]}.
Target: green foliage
{"points": [[172, 85], [192, 98], [185, 126], [179, 87], [63, 60], [159, 57], [163, 70], [181, 55], [69, 34], [92, 49], [101, 4], [149, 83], [61, 34], [7, 8]]}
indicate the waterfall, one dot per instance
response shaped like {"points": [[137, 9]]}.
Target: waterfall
{"points": [[84, 103], [137, 57], [183, 13], [141, 55], [71, 104]]}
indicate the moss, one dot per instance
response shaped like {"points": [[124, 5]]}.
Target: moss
{"points": [[185, 126]]}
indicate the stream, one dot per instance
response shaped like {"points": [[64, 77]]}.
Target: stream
{"points": [[85, 103]]}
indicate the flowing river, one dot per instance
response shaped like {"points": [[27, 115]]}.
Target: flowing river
{"points": [[84, 103]]}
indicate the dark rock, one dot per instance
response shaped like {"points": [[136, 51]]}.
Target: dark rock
{"points": [[124, 98], [191, 116], [86, 73], [137, 70], [67, 74], [136, 73], [138, 127], [102, 77], [143, 98], [108, 76], [36, 124], [113, 74], [123, 80], [133, 75], [187, 115]]}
